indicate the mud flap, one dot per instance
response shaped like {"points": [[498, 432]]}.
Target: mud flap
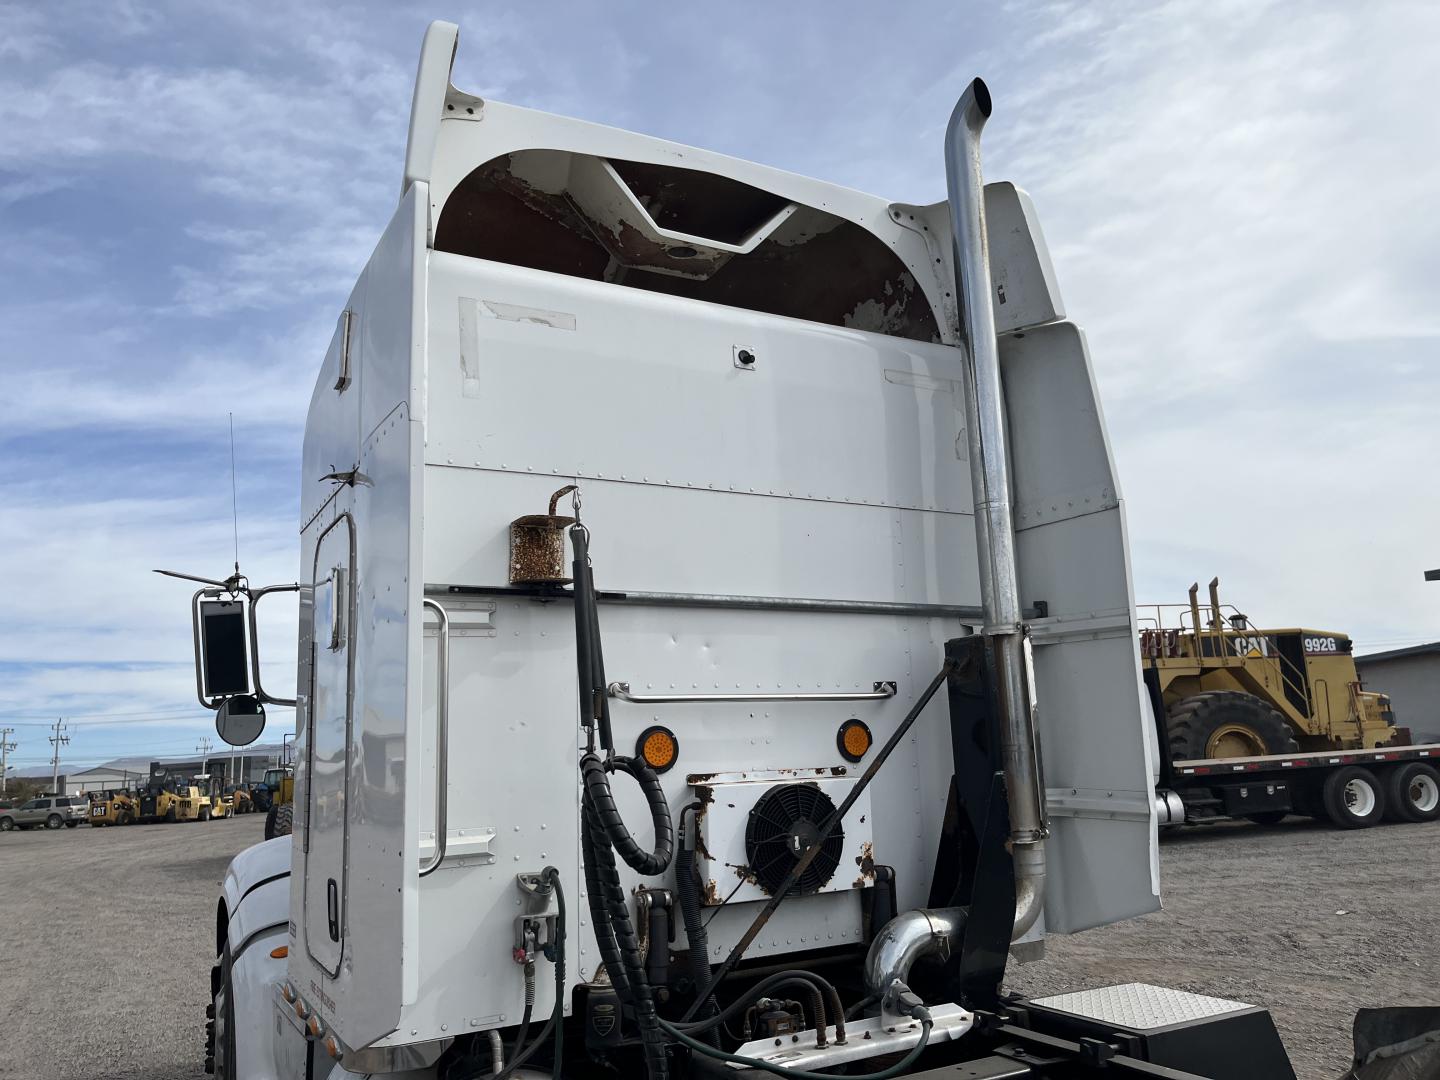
{"points": [[1396, 1044]]}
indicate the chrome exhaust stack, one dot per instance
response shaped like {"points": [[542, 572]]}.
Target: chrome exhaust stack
{"points": [[925, 932], [990, 481]]}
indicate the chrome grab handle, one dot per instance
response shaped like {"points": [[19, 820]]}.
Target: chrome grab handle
{"points": [[881, 691], [442, 737]]}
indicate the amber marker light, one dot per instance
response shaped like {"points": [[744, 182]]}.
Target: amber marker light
{"points": [[853, 740], [658, 747]]}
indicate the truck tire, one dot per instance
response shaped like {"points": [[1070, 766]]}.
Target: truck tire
{"points": [[220, 1021], [6, 824], [279, 820], [1412, 792], [54, 821], [1353, 798], [1227, 723]]}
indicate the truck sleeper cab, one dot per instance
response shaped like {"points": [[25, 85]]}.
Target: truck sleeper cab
{"points": [[759, 384]]}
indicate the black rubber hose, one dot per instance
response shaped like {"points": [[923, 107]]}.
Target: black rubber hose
{"points": [[657, 956], [594, 773], [529, 1010], [688, 893], [592, 841], [620, 948], [552, 875]]}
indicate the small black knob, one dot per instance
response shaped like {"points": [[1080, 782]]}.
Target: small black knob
{"points": [[745, 356]]}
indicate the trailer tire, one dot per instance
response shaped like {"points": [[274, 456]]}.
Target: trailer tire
{"points": [[1412, 792], [1212, 724], [279, 820], [1353, 798]]}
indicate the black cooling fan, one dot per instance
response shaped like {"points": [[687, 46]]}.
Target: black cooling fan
{"points": [[783, 825]]}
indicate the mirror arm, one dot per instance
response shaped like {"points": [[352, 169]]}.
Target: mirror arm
{"points": [[255, 595]]}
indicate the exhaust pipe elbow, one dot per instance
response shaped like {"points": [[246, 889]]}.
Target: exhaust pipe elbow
{"points": [[906, 938], [1029, 887]]}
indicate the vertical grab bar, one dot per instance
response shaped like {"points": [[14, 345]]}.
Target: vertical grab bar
{"points": [[442, 736]]}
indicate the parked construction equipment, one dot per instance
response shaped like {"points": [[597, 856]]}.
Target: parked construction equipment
{"points": [[1259, 724], [114, 808], [1232, 689]]}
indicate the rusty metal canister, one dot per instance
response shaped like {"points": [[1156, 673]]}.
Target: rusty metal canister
{"points": [[537, 546]]}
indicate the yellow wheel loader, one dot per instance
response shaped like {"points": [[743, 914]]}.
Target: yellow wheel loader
{"points": [[1234, 691], [279, 796]]}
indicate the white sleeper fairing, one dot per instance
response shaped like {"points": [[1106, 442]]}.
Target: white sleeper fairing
{"points": [[757, 382]]}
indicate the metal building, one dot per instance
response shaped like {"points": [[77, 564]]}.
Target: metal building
{"points": [[1412, 679]]}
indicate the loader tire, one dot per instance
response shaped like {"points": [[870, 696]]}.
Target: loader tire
{"points": [[1227, 724], [171, 816], [1412, 792], [279, 819]]}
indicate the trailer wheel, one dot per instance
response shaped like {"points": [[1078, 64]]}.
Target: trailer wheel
{"points": [[1353, 798], [1227, 724], [1412, 792]]}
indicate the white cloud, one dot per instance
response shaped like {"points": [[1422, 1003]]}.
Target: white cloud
{"points": [[1240, 198]]}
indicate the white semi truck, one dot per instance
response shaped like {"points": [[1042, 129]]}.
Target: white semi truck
{"points": [[717, 649]]}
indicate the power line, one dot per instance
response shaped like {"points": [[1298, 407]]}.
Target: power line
{"points": [[147, 717], [57, 740]]}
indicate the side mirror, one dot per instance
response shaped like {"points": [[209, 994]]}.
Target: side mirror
{"points": [[227, 642], [240, 720], [221, 646]]}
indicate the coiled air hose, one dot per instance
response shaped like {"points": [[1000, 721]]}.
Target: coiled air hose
{"points": [[603, 833]]}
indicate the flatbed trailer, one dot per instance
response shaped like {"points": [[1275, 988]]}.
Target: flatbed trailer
{"points": [[1352, 789]]}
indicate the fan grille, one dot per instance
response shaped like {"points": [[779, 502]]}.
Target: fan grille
{"points": [[784, 823]]}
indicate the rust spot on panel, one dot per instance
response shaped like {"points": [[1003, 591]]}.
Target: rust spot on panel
{"points": [[744, 873], [712, 894], [866, 861]]}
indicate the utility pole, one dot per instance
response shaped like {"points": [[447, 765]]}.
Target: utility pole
{"points": [[5, 747], [57, 740], [204, 751]]}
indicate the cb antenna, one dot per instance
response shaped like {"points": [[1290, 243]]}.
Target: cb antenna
{"points": [[234, 499]]}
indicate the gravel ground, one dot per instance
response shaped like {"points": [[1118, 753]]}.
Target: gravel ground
{"points": [[1309, 922], [106, 942]]}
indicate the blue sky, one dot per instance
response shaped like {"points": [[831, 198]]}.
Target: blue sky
{"points": [[1240, 199]]}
